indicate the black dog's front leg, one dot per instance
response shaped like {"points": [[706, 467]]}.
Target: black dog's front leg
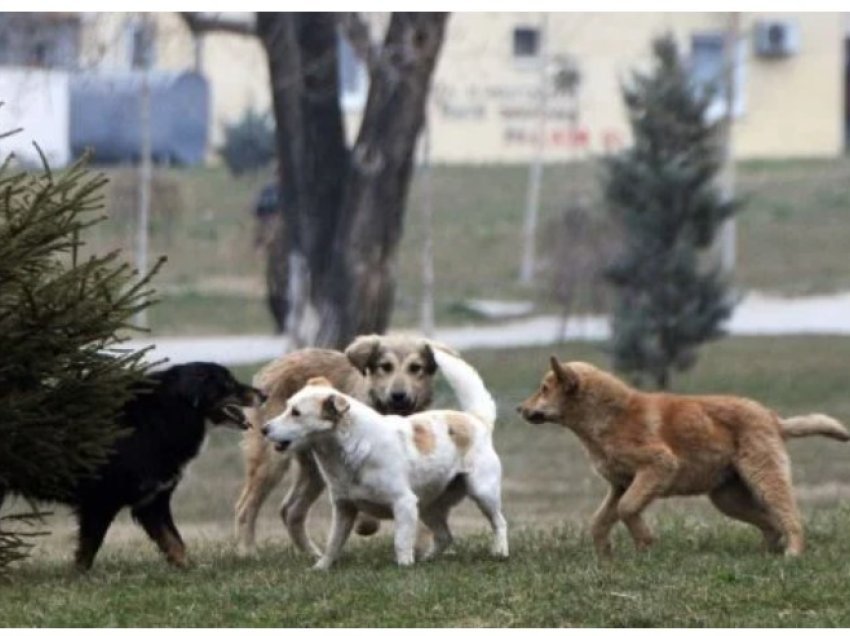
{"points": [[94, 522]]}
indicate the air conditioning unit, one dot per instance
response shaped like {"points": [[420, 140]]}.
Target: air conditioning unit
{"points": [[777, 38]]}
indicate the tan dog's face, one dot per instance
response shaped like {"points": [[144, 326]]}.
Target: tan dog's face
{"points": [[557, 399], [317, 408], [400, 372]]}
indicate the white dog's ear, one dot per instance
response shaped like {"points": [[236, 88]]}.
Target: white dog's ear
{"points": [[363, 352], [334, 407]]}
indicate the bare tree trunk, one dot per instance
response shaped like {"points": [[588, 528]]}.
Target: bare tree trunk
{"points": [[528, 265], [426, 319], [343, 209], [727, 236], [312, 156], [379, 178], [145, 177]]}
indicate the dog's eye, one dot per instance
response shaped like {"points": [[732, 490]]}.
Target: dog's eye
{"points": [[386, 367], [296, 412], [415, 368]]}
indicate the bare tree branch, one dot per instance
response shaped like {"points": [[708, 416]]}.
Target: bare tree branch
{"points": [[207, 22], [358, 34]]}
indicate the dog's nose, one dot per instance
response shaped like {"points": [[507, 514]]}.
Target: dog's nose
{"points": [[399, 397]]}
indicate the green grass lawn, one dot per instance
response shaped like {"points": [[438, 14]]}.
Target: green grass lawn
{"points": [[699, 575], [705, 570], [793, 236]]}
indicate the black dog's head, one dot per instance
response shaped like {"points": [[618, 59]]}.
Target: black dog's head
{"points": [[214, 392]]}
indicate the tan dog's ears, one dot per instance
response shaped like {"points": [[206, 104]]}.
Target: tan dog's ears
{"points": [[363, 352], [334, 407], [429, 362], [318, 381], [565, 376]]}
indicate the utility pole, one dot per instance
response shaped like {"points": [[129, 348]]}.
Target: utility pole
{"points": [[145, 167], [535, 169], [728, 233], [426, 316]]}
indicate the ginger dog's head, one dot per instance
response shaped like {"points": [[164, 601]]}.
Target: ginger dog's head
{"points": [[315, 410], [554, 399], [572, 393]]}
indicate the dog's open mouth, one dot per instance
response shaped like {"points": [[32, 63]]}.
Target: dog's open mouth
{"points": [[230, 413], [535, 417]]}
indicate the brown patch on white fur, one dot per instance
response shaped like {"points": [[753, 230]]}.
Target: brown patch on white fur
{"points": [[650, 445], [423, 436], [460, 431]]}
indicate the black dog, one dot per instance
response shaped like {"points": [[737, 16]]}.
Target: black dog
{"points": [[167, 419]]}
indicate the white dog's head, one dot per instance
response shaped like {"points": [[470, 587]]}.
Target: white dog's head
{"points": [[316, 409]]}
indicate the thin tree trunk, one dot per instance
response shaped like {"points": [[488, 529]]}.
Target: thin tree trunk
{"points": [[426, 317], [360, 294], [728, 231], [312, 156], [344, 210]]}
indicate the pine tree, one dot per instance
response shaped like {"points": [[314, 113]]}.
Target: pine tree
{"points": [[63, 376], [670, 296]]}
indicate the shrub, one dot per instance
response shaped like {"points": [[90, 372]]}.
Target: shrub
{"points": [[249, 144]]}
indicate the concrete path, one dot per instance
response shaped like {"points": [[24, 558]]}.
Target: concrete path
{"points": [[756, 315]]}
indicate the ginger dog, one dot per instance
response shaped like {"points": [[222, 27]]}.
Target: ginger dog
{"points": [[649, 445], [405, 468]]}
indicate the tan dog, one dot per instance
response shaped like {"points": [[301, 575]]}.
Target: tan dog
{"points": [[393, 374], [650, 445]]}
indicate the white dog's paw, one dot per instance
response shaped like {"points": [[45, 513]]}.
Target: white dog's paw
{"points": [[322, 565], [405, 560], [499, 549]]}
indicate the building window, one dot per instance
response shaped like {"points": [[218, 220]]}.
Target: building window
{"points": [[526, 42], [706, 68], [353, 78], [142, 37], [39, 56]]}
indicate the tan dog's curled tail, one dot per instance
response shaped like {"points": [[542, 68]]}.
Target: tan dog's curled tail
{"points": [[813, 424], [468, 386]]}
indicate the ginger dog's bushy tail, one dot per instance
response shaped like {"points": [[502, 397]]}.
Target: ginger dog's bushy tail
{"points": [[468, 386], [814, 424]]}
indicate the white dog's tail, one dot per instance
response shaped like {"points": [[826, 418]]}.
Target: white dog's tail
{"points": [[814, 424], [468, 386]]}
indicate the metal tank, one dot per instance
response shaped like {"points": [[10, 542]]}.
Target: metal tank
{"points": [[105, 115]]}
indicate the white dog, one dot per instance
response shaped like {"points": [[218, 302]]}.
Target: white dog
{"points": [[404, 468]]}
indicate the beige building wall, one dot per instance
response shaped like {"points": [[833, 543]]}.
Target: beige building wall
{"points": [[485, 101]]}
